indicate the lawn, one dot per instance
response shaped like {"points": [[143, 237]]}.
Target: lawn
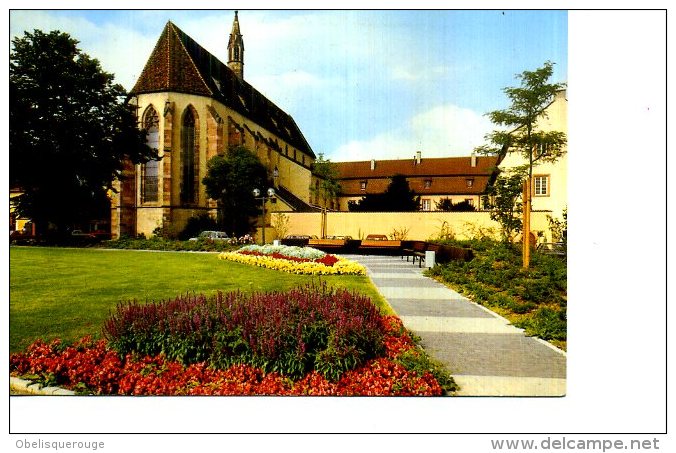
{"points": [[68, 293]]}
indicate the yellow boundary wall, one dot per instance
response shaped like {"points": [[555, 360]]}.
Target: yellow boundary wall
{"points": [[417, 225]]}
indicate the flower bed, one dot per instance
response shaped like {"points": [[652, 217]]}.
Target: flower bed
{"points": [[293, 332], [297, 260], [93, 367]]}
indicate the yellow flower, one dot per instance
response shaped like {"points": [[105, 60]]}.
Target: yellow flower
{"points": [[342, 266]]}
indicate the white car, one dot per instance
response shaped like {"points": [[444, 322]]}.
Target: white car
{"points": [[212, 235]]}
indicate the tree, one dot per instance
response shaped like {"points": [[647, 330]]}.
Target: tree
{"points": [[70, 130], [447, 205], [398, 197], [502, 198], [328, 187], [528, 104], [230, 181], [520, 133]]}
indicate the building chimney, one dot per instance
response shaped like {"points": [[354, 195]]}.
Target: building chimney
{"points": [[373, 164], [472, 160], [418, 157]]}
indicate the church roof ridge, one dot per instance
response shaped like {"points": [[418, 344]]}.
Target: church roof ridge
{"points": [[178, 63]]}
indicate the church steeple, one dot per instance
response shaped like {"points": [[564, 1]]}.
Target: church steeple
{"points": [[236, 49]]}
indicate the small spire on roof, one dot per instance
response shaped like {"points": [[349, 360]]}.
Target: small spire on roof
{"points": [[236, 49]]}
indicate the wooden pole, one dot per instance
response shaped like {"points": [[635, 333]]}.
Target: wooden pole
{"points": [[526, 224]]}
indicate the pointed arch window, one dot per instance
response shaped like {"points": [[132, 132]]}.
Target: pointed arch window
{"points": [[150, 170], [189, 163]]}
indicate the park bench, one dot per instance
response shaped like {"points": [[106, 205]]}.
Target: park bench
{"points": [[330, 243], [379, 242], [411, 248]]}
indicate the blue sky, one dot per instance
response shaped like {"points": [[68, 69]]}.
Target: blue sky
{"points": [[360, 84]]}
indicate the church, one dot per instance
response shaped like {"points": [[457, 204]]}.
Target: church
{"points": [[195, 107]]}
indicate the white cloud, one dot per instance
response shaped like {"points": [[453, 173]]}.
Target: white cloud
{"points": [[443, 131]]}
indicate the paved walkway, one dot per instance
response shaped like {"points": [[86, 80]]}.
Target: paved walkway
{"points": [[485, 354]]}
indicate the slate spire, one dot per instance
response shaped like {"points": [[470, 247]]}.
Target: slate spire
{"points": [[236, 49]]}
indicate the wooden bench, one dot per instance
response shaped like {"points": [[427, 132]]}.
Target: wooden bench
{"points": [[379, 242], [327, 243]]}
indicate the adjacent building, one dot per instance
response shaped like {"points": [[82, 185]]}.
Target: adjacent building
{"points": [[459, 179]]}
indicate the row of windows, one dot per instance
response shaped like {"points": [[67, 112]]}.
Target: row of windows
{"points": [[427, 183]]}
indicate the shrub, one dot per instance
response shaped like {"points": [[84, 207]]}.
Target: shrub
{"points": [[196, 225], [546, 323], [308, 328]]}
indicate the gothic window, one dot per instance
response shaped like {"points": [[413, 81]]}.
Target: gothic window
{"points": [[150, 170], [189, 161]]}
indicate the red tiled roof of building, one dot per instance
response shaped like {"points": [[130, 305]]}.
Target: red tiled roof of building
{"points": [[434, 166], [431, 176]]}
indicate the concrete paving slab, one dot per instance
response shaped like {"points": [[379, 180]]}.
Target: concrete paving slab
{"points": [[482, 354], [490, 325], [509, 386], [432, 307], [412, 281], [416, 293]]}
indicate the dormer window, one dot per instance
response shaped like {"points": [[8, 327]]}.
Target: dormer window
{"points": [[427, 184], [470, 182], [362, 185]]}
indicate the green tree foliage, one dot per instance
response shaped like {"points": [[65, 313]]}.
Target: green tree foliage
{"points": [[447, 205], [70, 131], [230, 181], [398, 197], [328, 188], [518, 123], [503, 199]]}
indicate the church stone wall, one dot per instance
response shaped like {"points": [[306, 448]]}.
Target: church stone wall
{"points": [[218, 127]]}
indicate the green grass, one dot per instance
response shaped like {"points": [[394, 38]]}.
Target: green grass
{"points": [[68, 293]]}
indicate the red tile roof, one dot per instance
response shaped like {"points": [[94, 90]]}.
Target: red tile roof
{"points": [[178, 63], [435, 166], [447, 175]]}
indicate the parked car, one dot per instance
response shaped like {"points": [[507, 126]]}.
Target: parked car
{"points": [[212, 235], [82, 234]]}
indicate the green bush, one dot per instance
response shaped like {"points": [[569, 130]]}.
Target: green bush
{"points": [[196, 225], [546, 323], [160, 243]]}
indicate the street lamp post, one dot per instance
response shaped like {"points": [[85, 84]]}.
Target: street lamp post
{"points": [[257, 195]]}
